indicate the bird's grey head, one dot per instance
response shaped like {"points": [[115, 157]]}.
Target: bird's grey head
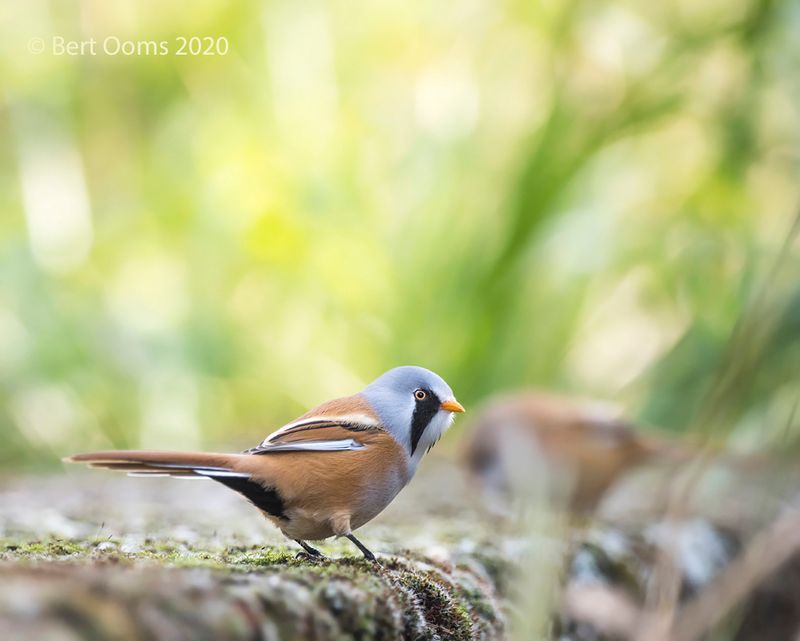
{"points": [[415, 405]]}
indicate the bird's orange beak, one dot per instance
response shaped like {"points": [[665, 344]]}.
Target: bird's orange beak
{"points": [[452, 405]]}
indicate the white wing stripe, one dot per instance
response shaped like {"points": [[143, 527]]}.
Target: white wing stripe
{"points": [[152, 475], [225, 473], [340, 445], [352, 419]]}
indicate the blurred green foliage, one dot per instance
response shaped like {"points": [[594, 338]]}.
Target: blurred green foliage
{"points": [[591, 196]]}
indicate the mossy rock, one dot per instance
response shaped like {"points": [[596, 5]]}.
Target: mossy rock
{"points": [[70, 589]]}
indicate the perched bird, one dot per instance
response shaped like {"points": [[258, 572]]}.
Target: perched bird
{"points": [[579, 449], [330, 471]]}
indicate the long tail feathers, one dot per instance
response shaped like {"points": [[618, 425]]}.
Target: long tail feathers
{"points": [[153, 463], [222, 468]]}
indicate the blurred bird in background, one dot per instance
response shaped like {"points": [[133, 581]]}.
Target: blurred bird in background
{"points": [[572, 450]]}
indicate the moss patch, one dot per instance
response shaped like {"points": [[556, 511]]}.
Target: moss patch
{"points": [[243, 592]]}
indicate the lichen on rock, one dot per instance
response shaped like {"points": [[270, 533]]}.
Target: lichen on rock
{"points": [[158, 561], [85, 592]]}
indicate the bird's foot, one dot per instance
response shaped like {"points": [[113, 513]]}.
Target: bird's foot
{"points": [[309, 553], [368, 555]]}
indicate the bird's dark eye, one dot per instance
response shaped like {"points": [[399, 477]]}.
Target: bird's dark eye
{"points": [[420, 394]]}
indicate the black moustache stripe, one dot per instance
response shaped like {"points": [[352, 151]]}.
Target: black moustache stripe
{"points": [[424, 411]]}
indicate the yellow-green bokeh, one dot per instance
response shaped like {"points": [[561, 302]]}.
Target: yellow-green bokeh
{"points": [[582, 195]]}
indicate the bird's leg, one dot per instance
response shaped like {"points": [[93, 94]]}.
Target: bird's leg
{"points": [[369, 556], [309, 550]]}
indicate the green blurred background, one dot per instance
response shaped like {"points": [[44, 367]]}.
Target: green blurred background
{"points": [[589, 196]]}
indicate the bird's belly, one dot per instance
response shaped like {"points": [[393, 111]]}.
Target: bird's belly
{"points": [[374, 503], [321, 516], [306, 527]]}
